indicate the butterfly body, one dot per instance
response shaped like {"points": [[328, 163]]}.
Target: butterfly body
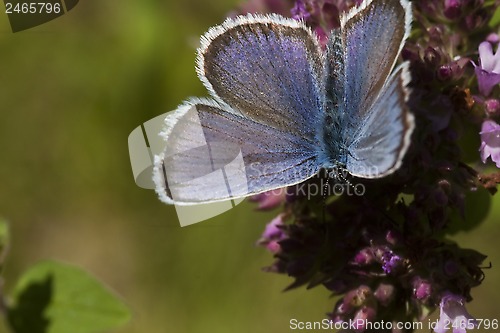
{"points": [[282, 108]]}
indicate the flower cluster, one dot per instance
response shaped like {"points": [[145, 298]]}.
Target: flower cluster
{"points": [[385, 254], [450, 36]]}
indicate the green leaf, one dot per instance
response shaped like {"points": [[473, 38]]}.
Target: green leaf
{"points": [[52, 297], [495, 19]]}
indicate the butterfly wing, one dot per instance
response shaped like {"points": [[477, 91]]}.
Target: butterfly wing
{"points": [[383, 140], [259, 134], [268, 68], [371, 125], [213, 154]]}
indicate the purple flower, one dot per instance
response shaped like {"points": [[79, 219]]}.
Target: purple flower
{"points": [[492, 106], [273, 234], [364, 257], [489, 62], [322, 36], [273, 229], [364, 315], [493, 38], [453, 314], [452, 8], [299, 11], [263, 6], [422, 289], [385, 293], [269, 200], [488, 73], [350, 245], [321, 15], [390, 262], [490, 142]]}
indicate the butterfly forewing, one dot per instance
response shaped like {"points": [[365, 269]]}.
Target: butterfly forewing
{"points": [[268, 68]]}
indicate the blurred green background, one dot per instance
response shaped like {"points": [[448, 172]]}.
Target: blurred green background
{"points": [[71, 91]]}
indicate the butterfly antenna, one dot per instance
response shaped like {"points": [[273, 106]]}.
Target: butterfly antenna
{"points": [[325, 196], [340, 173], [345, 180], [325, 188]]}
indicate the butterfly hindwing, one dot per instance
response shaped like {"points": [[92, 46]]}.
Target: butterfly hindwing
{"points": [[383, 139], [213, 154]]}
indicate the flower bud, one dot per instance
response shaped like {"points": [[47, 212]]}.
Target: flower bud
{"points": [[452, 9], [392, 237], [366, 313], [492, 106], [422, 289], [364, 257], [269, 200], [385, 293], [493, 38], [432, 56]]}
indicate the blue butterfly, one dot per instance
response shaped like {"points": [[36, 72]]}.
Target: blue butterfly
{"points": [[282, 109]]}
